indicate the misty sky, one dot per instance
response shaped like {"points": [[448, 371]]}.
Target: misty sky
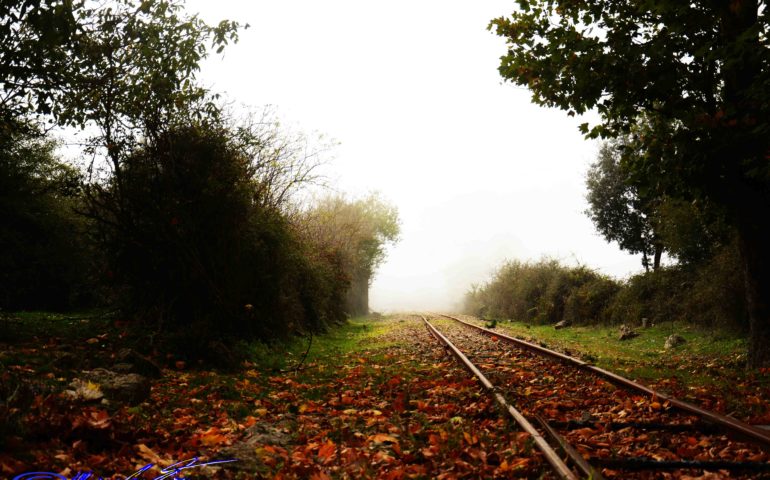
{"points": [[410, 89]]}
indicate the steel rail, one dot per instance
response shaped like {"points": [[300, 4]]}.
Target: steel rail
{"points": [[588, 470], [560, 468], [746, 430]]}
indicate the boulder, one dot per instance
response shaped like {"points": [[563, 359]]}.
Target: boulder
{"points": [[84, 391], [627, 333], [255, 437], [674, 341], [141, 364], [123, 368], [131, 388], [562, 324]]}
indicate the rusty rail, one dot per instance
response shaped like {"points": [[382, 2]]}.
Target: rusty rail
{"points": [[754, 434], [559, 467]]}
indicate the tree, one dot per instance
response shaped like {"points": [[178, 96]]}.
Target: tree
{"points": [[352, 235], [198, 252], [37, 43], [126, 67], [617, 209], [44, 259], [701, 68]]}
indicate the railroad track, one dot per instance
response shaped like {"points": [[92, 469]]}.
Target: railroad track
{"points": [[591, 423]]}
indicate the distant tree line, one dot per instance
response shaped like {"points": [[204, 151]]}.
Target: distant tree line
{"points": [[547, 292], [186, 219]]}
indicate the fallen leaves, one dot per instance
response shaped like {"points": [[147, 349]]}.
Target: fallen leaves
{"points": [[402, 411]]}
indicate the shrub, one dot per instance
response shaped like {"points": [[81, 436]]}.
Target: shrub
{"points": [[199, 253], [710, 294], [588, 302], [45, 262]]}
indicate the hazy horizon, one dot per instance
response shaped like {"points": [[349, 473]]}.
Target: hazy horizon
{"points": [[411, 91]]}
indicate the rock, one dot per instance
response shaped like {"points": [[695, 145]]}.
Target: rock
{"points": [[562, 324], [141, 364], [627, 333], [131, 388], [84, 391], [646, 322], [124, 368], [255, 436], [674, 341]]}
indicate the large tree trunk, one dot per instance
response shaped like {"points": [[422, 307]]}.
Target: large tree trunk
{"points": [[358, 295], [658, 254], [754, 240]]}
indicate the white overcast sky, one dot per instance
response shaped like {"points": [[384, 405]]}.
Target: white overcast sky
{"points": [[410, 89]]}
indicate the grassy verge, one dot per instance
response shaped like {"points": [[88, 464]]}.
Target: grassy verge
{"points": [[709, 368]]}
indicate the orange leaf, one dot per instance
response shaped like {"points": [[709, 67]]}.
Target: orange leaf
{"points": [[326, 451], [383, 437], [148, 454], [213, 439]]}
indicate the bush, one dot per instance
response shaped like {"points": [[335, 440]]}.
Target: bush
{"points": [[45, 262], [709, 294], [540, 292], [197, 251], [588, 303], [718, 294]]}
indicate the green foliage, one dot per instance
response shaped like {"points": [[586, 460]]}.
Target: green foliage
{"points": [[539, 292], [692, 231], [200, 253], [352, 235], [126, 66], [718, 294], [642, 220], [656, 295], [588, 302], [194, 213], [38, 38], [44, 254], [689, 80], [616, 207], [710, 294]]}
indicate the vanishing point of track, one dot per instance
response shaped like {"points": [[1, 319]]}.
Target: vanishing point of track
{"points": [[586, 420]]}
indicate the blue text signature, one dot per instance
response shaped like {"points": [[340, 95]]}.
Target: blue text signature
{"points": [[169, 472]]}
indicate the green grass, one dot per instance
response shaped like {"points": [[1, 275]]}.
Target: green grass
{"points": [[709, 369], [699, 360], [355, 334], [23, 326]]}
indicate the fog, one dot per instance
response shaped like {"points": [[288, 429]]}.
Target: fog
{"points": [[411, 91]]}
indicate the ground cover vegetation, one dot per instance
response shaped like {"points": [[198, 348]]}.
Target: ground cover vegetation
{"points": [[708, 369], [681, 91], [374, 398]]}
